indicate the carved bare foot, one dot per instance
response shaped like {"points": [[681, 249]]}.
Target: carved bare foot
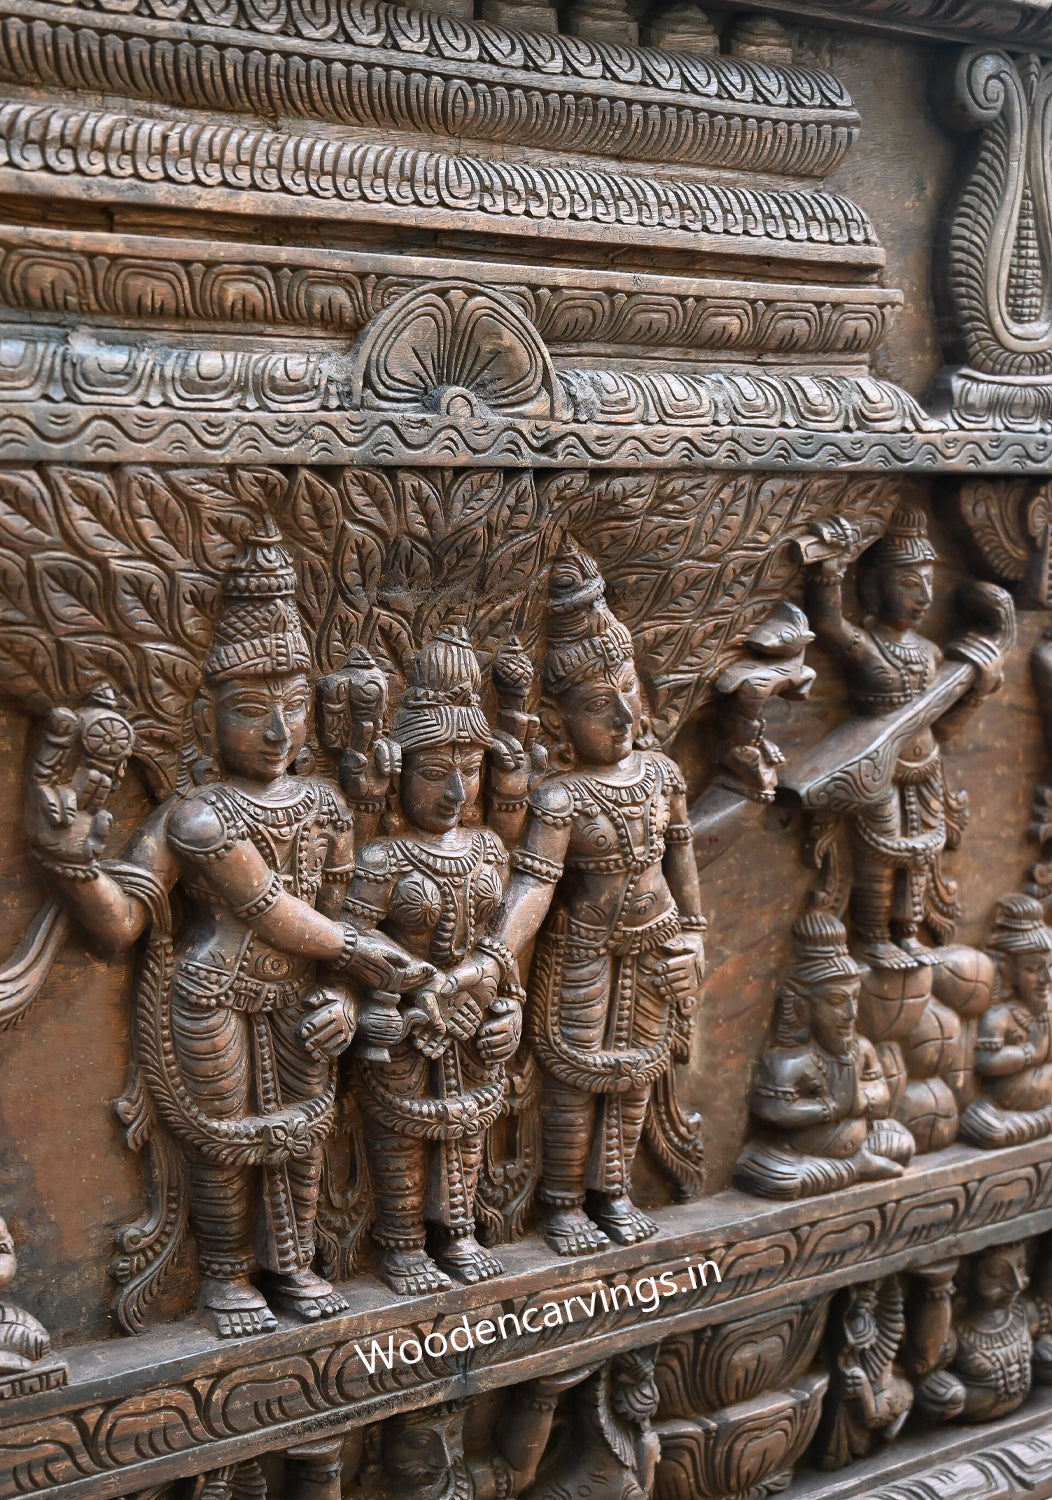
{"points": [[874, 1168], [569, 1231], [234, 1309], [940, 1395], [911, 944], [410, 1273], [303, 1295], [623, 1221], [464, 1258], [887, 955]]}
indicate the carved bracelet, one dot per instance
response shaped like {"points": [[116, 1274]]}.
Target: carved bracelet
{"points": [[498, 950]]}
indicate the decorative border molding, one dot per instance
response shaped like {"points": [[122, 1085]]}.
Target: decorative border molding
{"points": [[1016, 23], [178, 1402], [98, 434], [378, 26], [792, 129], [100, 147], [180, 281]]}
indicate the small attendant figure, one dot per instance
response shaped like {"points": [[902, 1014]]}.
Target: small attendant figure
{"points": [[1013, 1047], [820, 1096]]}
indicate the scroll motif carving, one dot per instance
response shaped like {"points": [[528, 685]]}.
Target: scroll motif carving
{"points": [[453, 349], [999, 264], [1010, 524]]}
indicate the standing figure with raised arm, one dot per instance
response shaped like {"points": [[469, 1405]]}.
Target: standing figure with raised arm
{"points": [[606, 863], [897, 840], [234, 1032], [429, 1097]]}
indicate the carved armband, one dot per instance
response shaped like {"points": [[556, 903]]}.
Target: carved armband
{"points": [[263, 901], [695, 923], [678, 833], [536, 865]]}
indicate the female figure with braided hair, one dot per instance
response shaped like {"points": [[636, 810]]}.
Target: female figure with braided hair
{"points": [[820, 1094], [606, 863], [234, 1034], [430, 1095]]}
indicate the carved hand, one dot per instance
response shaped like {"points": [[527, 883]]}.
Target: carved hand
{"points": [[81, 756], [685, 968], [383, 965], [499, 1035], [329, 1029], [509, 769]]}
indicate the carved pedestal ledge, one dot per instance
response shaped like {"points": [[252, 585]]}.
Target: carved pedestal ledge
{"points": [[179, 1402]]}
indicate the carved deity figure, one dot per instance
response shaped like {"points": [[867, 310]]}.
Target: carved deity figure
{"points": [[820, 1095], [1013, 1047], [24, 1340], [420, 1454], [429, 1094], [610, 1451], [606, 863], [995, 1346], [235, 1029], [867, 1399], [896, 840]]}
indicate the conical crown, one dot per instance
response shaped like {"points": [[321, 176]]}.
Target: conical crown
{"points": [[442, 703], [1019, 927], [259, 632], [583, 635], [906, 539], [820, 948]]}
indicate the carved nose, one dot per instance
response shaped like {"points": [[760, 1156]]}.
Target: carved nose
{"points": [[455, 788], [277, 731], [623, 711]]}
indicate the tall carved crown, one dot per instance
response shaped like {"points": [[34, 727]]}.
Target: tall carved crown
{"points": [[1019, 927], [906, 539], [442, 703], [582, 632], [259, 631], [820, 952]]}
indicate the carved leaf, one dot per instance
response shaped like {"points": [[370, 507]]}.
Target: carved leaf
{"points": [[90, 511], [160, 519]]}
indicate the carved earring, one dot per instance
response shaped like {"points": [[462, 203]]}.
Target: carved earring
{"points": [[561, 754], [206, 766]]}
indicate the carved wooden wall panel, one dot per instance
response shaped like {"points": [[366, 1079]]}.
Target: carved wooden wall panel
{"points": [[525, 735]]}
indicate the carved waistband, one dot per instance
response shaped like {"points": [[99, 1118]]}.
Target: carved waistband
{"points": [[621, 941], [205, 986]]}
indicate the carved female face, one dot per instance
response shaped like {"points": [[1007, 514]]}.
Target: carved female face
{"points": [[834, 1005], [1032, 980], [260, 723], [906, 593], [438, 784], [602, 714]]}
